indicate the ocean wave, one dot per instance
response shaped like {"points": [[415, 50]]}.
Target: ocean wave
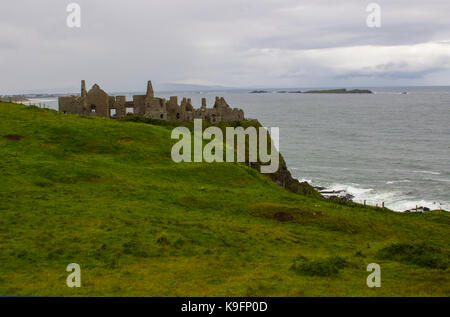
{"points": [[428, 172], [441, 180], [394, 200], [396, 182], [355, 191], [403, 205]]}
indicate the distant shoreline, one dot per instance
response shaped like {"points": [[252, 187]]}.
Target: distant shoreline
{"points": [[14, 99]]}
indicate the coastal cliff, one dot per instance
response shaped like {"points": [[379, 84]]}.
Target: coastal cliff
{"points": [[106, 194]]}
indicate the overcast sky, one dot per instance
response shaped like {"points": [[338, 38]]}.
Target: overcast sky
{"points": [[239, 43]]}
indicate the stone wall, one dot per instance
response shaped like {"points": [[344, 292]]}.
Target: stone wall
{"points": [[71, 104], [98, 102]]}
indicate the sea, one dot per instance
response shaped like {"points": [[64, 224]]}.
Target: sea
{"points": [[391, 147]]}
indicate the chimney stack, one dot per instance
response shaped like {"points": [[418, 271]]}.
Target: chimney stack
{"points": [[203, 103], [83, 88], [150, 93]]}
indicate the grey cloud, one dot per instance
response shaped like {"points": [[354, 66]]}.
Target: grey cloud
{"points": [[121, 44]]}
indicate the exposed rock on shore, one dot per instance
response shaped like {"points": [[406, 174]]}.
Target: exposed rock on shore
{"points": [[340, 195], [419, 209], [284, 179]]}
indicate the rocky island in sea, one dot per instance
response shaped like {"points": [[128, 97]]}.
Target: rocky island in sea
{"points": [[339, 91]]}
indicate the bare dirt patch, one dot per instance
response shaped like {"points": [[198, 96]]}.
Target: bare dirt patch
{"points": [[283, 216], [284, 213], [125, 140], [13, 137]]}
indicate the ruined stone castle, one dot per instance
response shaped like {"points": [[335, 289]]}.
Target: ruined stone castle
{"points": [[97, 102]]}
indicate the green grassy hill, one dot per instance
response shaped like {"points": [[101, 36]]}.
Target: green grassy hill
{"points": [[105, 194]]}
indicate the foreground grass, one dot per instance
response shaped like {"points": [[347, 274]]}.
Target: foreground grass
{"points": [[106, 195]]}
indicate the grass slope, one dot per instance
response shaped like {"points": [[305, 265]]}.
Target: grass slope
{"points": [[105, 194]]}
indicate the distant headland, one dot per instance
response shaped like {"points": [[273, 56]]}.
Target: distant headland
{"points": [[339, 91], [325, 91]]}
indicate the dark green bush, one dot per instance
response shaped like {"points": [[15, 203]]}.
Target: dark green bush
{"points": [[319, 267], [420, 254]]}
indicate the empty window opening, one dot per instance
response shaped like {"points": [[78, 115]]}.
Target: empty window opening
{"points": [[112, 112], [130, 110], [178, 116], [93, 109], [161, 116]]}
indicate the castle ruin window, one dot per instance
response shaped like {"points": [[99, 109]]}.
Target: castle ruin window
{"points": [[129, 110], [93, 109], [161, 116], [178, 116], [112, 112]]}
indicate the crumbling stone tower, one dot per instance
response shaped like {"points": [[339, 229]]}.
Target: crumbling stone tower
{"points": [[150, 93], [84, 96]]}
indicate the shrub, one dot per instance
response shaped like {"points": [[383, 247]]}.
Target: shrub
{"points": [[319, 267], [162, 239], [421, 254], [135, 248]]}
